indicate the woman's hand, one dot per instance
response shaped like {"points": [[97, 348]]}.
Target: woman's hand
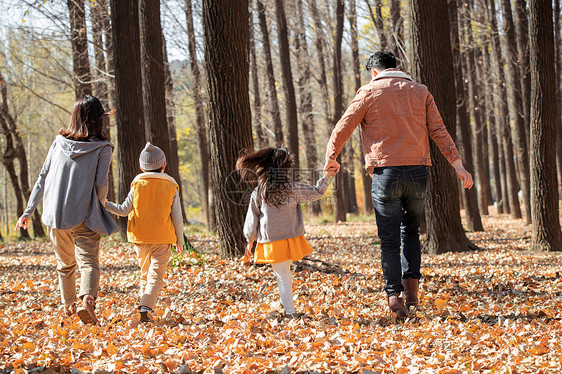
{"points": [[22, 222], [247, 259], [179, 248]]}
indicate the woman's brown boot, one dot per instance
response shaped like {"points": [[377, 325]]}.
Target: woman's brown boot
{"points": [[396, 305], [411, 291]]}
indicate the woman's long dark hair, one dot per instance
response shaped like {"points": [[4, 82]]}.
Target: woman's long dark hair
{"points": [[272, 166], [86, 121]]}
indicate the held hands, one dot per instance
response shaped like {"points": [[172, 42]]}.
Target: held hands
{"points": [[331, 168], [179, 248], [247, 259], [464, 175], [22, 222]]}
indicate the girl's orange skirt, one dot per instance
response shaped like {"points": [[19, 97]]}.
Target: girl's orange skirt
{"points": [[282, 250]]}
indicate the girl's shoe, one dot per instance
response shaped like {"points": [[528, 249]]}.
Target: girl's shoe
{"points": [[144, 318], [295, 315], [86, 311]]}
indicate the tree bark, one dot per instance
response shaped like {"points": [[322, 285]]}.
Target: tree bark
{"points": [[546, 233], [129, 98], [557, 41], [473, 218], [376, 16], [338, 106], [306, 109], [500, 110], [522, 32], [288, 86], [515, 104], [78, 39], [256, 110], [199, 116], [366, 178], [275, 111], [225, 28], [322, 79], [173, 160], [397, 45], [432, 64]]}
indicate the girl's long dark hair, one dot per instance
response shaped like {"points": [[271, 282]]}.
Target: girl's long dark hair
{"points": [[272, 167], [86, 120]]}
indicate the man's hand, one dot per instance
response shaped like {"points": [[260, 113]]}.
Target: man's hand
{"points": [[331, 167], [464, 175], [22, 222]]}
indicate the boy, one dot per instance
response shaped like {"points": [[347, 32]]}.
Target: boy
{"points": [[155, 223]]}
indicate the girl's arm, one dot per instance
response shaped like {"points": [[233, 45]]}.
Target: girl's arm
{"points": [[121, 209], [177, 220], [306, 192], [252, 219]]}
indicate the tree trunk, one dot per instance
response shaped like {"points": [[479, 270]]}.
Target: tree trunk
{"points": [[101, 81], [338, 106], [306, 110], [366, 178], [288, 86], [522, 32], [473, 218], [78, 39], [152, 68], [225, 27], [492, 134], [557, 41], [546, 223], [275, 111], [376, 16], [432, 64], [260, 135], [129, 98], [173, 160], [502, 126], [515, 104], [397, 45], [199, 116]]}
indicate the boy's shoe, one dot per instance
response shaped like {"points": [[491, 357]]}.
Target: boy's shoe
{"points": [[86, 311], [69, 310]]}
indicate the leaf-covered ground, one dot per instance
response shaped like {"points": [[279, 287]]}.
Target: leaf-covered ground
{"points": [[497, 310]]}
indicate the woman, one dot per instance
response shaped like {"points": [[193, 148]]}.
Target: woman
{"points": [[73, 181]]}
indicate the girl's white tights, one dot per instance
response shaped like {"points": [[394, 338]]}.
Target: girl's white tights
{"points": [[284, 280]]}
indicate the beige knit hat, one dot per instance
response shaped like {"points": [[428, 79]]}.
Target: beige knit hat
{"points": [[151, 158]]}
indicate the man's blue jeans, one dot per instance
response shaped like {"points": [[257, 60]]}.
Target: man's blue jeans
{"points": [[399, 195]]}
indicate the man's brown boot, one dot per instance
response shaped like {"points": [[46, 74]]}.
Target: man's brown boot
{"points": [[86, 311], [411, 291], [396, 305]]}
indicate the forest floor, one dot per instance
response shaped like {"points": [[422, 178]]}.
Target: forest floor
{"points": [[496, 310]]}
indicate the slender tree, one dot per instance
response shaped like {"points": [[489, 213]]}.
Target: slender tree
{"points": [[376, 16], [256, 110], [522, 34], [288, 86], [275, 111], [432, 64], [129, 98], [546, 233], [502, 126], [515, 104], [473, 218], [79, 41], [366, 178], [305, 93], [199, 115], [338, 105], [397, 33], [225, 25]]}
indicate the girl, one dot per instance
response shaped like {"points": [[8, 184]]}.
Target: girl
{"points": [[73, 182], [274, 217]]}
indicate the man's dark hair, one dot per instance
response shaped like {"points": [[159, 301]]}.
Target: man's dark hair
{"points": [[381, 60]]}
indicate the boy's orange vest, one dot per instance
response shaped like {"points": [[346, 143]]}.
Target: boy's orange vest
{"points": [[150, 221]]}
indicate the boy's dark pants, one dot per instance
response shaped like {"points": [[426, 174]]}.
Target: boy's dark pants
{"points": [[398, 196]]}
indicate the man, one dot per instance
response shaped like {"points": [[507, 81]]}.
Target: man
{"points": [[396, 116]]}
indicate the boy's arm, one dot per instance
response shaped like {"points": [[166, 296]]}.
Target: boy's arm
{"points": [[306, 192], [177, 219], [121, 209]]}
